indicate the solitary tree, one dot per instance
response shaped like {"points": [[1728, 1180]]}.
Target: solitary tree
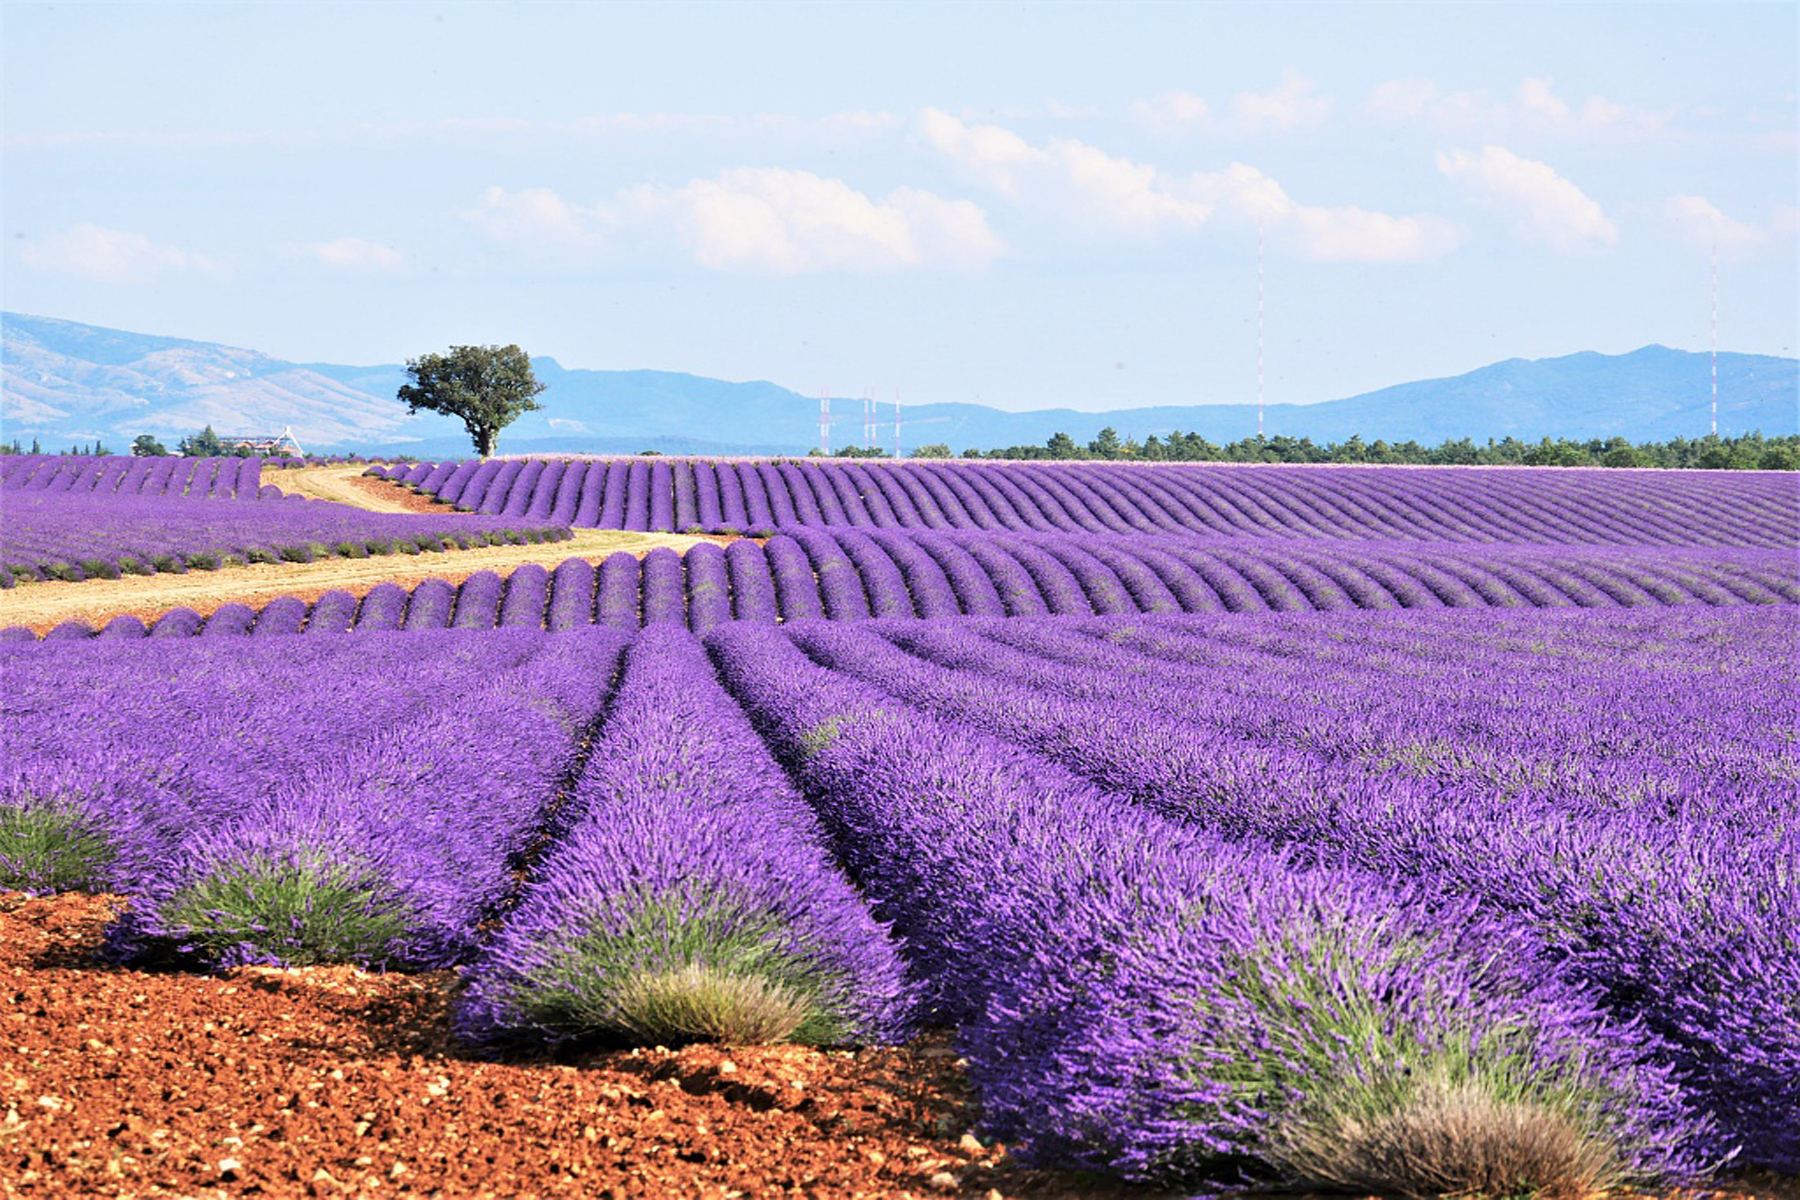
{"points": [[147, 446], [486, 387]]}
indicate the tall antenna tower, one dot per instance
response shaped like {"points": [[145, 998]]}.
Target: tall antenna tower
{"points": [[1715, 339], [825, 422], [896, 423], [1259, 329], [870, 436]]}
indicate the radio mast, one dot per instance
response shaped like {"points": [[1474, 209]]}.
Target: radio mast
{"points": [[1259, 329], [1715, 339]]}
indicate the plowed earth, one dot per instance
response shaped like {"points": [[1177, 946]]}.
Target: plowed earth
{"points": [[41, 607], [331, 1082]]}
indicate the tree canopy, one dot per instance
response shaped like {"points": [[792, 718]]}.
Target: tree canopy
{"points": [[204, 444], [1743, 452], [485, 387]]}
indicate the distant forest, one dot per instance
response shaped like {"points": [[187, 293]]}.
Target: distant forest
{"points": [[1749, 452]]}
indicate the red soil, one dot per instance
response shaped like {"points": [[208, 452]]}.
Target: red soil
{"points": [[330, 1082]]}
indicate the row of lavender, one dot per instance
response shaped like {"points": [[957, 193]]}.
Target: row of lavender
{"points": [[851, 575], [81, 535], [123, 475], [1399, 503], [1201, 887], [667, 853], [1179, 938]]}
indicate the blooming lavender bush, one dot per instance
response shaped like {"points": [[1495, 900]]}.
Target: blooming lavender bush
{"points": [[1140, 994], [348, 839], [688, 895], [70, 534], [1410, 504]]}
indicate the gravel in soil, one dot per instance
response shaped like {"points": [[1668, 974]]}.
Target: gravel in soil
{"points": [[331, 1082]]}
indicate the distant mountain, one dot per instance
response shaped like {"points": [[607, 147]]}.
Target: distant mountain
{"points": [[65, 382]]}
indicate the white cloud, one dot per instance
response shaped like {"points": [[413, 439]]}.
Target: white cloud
{"points": [[351, 254], [1542, 205], [1172, 108], [996, 156], [1107, 195], [101, 255], [787, 222], [1533, 108], [750, 219], [568, 425], [1077, 179], [1290, 104], [543, 224], [1337, 233], [1702, 223]]}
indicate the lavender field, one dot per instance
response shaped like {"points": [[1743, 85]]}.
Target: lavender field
{"points": [[79, 535], [1236, 842], [1522, 505], [122, 475]]}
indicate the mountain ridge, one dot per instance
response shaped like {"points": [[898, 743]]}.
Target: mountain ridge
{"points": [[65, 381]]}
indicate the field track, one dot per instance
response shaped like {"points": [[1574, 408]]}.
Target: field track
{"points": [[348, 485], [43, 606]]}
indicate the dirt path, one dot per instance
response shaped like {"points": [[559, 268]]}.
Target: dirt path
{"points": [[43, 606], [348, 485]]}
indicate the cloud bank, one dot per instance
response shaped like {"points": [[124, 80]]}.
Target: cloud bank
{"points": [[1103, 194], [1540, 205], [114, 256]]}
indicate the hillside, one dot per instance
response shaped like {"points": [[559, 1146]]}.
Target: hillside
{"points": [[68, 382]]}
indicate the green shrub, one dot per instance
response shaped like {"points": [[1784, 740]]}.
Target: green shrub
{"points": [[301, 909], [669, 978], [202, 561], [262, 554], [51, 848], [99, 568]]}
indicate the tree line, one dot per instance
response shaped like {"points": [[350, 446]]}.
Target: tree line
{"points": [[1745, 452], [205, 444]]}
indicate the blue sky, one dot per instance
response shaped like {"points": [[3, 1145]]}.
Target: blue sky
{"points": [[1025, 204]]}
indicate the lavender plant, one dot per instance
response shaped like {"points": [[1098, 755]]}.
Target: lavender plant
{"points": [[1023, 898], [687, 896]]}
